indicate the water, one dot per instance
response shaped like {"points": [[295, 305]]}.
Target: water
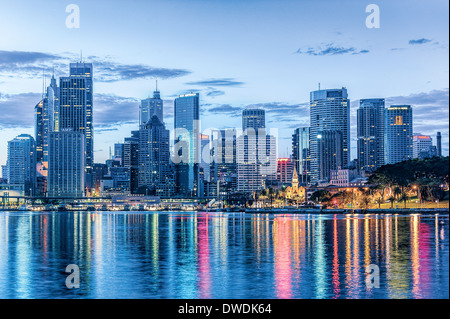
{"points": [[222, 255]]}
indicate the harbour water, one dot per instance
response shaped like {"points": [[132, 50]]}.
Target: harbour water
{"points": [[223, 255]]}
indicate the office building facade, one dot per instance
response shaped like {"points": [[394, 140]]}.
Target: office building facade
{"points": [[301, 153], [187, 144], [329, 111], [21, 164], [66, 163], [370, 134], [398, 133]]}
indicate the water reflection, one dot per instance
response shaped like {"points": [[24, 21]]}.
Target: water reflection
{"points": [[215, 255]]}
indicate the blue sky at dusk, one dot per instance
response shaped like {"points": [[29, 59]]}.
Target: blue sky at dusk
{"points": [[236, 54]]}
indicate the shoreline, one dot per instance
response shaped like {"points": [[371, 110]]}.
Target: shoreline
{"points": [[295, 211]]}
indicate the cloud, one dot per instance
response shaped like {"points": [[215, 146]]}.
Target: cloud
{"points": [[31, 65], [217, 82], [233, 111], [331, 49], [419, 41], [213, 93], [110, 109], [108, 71], [24, 57], [18, 109]]}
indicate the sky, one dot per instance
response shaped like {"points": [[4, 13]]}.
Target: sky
{"points": [[236, 54]]}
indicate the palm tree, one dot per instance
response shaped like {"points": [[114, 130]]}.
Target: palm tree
{"points": [[391, 200], [404, 198], [366, 201], [397, 192], [379, 201]]}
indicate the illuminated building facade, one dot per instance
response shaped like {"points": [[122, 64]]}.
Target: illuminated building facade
{"points": [[398, 133]]}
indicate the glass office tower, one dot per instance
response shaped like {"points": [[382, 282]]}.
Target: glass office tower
{"points": [[370, 133], [150, 107], [329, 110], [187, 144], [84, 71], [300, 153]]}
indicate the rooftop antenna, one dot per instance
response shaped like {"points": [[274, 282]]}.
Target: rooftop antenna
{"points": [[110, 155], [81, 56], [156, 84], [319, 86]]}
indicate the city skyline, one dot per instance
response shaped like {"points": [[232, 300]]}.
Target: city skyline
{"points": [[336, 54]]}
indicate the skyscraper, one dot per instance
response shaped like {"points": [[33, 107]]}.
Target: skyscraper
{"points": [[423, 146], [39, 130], [398, 133], [285, 170], [256, 153], [187, 144], [330, 153], [300, 153], [329, 110], [370, 134], [21, 164], [130, 159], [150, 107], [154, 156], [439, 144], [84, 71], [253, 118], [224, 166], [66, 172]]}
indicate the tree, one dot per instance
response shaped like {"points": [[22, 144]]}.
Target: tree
{"points": [[397, 192], [379, 201], [320, 196], [365, 200], [404, 198], [391, 200]]}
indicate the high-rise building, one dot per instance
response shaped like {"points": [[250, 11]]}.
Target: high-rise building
{"points": [[256, 153], [84, 71], [253, 118], [300, 153], [423, 146], [224, 166], [205, 163], [130, 159], [154, 156], [330, 153], [66, 164], [45, 112], [285, 170], [21, 164], [187, 144], [224, 151], [439, 144], [5, 172], [329, 111], [150, 107], [39, 130], [370, 134], [398, 133]]}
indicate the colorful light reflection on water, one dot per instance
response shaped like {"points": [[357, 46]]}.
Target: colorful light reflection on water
{"points": [[222, 255]]}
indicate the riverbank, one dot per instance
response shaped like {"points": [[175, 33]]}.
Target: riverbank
{"points": [[293, 210]]}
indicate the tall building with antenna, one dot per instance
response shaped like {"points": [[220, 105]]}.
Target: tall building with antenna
{"points": [[82, 74], [329, 111], [150, 107]]}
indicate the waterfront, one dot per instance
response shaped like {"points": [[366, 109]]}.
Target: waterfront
{"points": [[223, 255]]}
